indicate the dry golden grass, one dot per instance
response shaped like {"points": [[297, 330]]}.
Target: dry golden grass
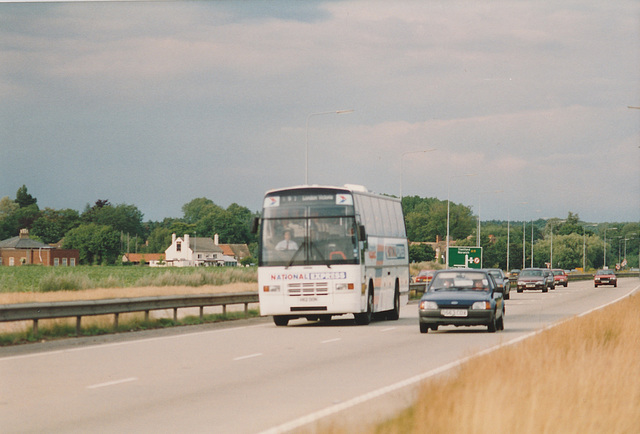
{"points": [[581, 377]]}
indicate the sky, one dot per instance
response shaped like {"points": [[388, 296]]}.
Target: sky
{"points": [[155, 104]]}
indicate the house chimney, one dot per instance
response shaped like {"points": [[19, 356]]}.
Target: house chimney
{"points": [[186, 240], [215, 239], [24, 234], [173, 238]]}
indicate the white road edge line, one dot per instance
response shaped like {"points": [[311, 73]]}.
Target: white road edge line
{"points": [[388, 329], [249, 356], [112, 383], [315, 416], [131, 342], [328, 341]]}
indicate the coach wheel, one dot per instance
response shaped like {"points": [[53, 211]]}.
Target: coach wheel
{"points": [[280, 320], [365, 318], [394, 314]]}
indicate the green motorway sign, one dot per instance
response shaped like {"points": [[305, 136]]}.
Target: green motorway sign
{"points": [[465, 257]]}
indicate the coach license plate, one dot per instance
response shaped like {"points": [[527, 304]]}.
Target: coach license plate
{"points": [[308, 299], [454, 312]]}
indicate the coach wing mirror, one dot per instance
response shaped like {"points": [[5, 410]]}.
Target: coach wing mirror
{"points": [[254, 225], [362, 234]]}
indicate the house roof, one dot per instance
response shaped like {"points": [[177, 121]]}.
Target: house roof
{"points": [[23, 243], [202, 244], [138, 257], [241, 250]]}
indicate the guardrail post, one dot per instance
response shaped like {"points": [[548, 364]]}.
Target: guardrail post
{"points": [[201, 312], [115, 320], [224, 309], [35, 327], [246, 309], [146, 315], [78, 323], [175, 314]]}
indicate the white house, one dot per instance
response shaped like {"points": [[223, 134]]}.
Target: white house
{"points": [[193, 251]]}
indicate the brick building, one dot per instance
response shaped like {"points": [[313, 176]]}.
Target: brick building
{"points": [[22, 250]]}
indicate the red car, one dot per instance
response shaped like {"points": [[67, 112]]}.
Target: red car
{"points": [[424, 276], [560, 277], [605, 277]]}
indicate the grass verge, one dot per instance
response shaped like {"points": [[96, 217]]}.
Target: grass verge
{"points": [[94, 326], [35, 278], [581, 377]]}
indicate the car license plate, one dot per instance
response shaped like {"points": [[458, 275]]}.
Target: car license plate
{"points": [[454, 312], [531, 285]]}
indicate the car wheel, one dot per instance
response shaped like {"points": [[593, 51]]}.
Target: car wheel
{"points": [[518, 291], [615, 285], [280, 320], [424, 328], [365, 318], [545, 289], [595, 286], [492, 325], [501, 323]]}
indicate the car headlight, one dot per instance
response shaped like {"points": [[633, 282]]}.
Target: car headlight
{"points": [[481, 305], [428, 305]]}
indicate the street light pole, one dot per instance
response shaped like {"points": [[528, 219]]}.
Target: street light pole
{"points": [[448, 211], [478, 231], [584, 248], [604, 265], [306, 160], [551, 252], [402, 162]]}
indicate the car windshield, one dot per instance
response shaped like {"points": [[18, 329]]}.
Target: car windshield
{"points": [[558, 272], [460, 281], [604, 272], [536, 273], [495, 273]]}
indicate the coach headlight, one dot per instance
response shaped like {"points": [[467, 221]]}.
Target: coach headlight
{"points": [[271, 288]]}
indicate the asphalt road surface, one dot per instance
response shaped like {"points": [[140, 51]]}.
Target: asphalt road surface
{"points": [[251, 376]]}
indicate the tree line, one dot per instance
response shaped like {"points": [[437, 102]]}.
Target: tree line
{"points": [[102, 232]]}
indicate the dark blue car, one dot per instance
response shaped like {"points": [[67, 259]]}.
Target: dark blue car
{"points": [[462, 297]]}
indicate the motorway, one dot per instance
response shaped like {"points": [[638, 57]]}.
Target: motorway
{"points": [[251, 376]]}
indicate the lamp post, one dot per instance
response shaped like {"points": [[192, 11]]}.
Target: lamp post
{"points": [[604, 265], [509, 230], [532, 239], [584, 248], [448, 211], [625, 244], [551, 252], [402, 162], [306, 160], [478, 231]]}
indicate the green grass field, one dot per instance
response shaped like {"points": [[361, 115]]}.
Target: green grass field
{"points": [[45, 279]]}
